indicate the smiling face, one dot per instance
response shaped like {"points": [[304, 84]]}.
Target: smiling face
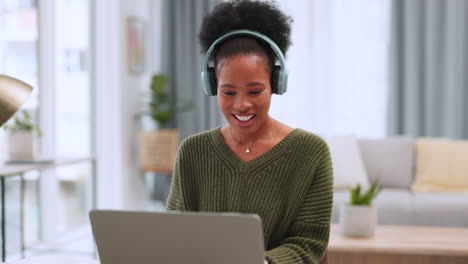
{"points": [[244, 91]]}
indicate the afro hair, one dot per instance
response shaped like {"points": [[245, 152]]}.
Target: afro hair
{"points": [[260, 16]]}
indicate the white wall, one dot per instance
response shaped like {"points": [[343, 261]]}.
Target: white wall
{"points": [[119, 183]]}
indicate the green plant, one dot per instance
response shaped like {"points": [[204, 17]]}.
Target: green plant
{"points": [[22, 122], [364, 198], [160, 109]]}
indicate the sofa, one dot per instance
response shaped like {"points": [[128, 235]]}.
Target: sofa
{"points": [[393, 162]]}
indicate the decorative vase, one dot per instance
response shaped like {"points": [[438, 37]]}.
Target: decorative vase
{"points": [[358, 220], [21, 146], [157, 150]]}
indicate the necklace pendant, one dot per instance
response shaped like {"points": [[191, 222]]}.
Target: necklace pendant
{"points": [[247, 150]]}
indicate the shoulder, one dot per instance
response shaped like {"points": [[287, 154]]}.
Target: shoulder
{"points": [[199, 140], [310, 143], [314, 154], [309, 148]]}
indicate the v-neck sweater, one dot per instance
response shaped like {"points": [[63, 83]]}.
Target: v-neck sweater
{"points": [[290, 187]]}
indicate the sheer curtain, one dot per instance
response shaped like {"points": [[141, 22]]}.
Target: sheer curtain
{"points": [[338, 67]]}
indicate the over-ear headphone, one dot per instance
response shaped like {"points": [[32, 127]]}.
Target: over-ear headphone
{"points": [[279, 74]]}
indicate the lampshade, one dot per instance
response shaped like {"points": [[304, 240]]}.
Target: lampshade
{"points": [[13, 93]]}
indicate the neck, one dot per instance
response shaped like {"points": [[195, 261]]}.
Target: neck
{"points": [[251, 137]]}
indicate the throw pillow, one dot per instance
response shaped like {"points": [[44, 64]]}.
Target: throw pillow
{"points": [[348, 168], [441, 165], [391, 160]]}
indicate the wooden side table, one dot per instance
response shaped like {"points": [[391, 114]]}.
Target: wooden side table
{"points": [[401, 244]]}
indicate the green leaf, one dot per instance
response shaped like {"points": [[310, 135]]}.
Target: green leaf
{"points": [[22, 122], [162, 117], [160, 106], [367, 197]]}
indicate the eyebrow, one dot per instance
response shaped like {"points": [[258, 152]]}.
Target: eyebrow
{"points": [[227, 85], [255, 84]]}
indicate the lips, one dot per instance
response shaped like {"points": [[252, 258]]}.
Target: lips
{"points": [[244, 120]]}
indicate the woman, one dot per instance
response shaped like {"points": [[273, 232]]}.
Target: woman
{"points": [[255, 164]]}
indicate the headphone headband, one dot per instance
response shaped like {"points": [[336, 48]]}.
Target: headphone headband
{"points": [[208, 76]]}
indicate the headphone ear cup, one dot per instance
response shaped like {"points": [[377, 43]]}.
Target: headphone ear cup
{"points": [[212, 78], [283, 81], [274, 78]]}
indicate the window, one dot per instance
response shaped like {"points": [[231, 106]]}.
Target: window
{"points": [[57, 201], [19, 59]]}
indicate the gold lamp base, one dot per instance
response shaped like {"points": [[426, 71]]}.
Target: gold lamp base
{"points": [[13, 94]]}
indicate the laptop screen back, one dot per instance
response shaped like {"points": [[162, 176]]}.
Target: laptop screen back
{"points": [[124, 237]]}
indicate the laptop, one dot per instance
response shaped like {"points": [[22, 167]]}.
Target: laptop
{"points": [[124, 237]]}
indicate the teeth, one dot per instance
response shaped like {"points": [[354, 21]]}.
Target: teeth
{"points": [[244, 118]]}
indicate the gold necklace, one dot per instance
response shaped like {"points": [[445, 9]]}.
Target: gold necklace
{"points": [[247, 150]]}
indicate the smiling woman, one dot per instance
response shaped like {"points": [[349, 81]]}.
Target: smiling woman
{"points": [[255, 164]]}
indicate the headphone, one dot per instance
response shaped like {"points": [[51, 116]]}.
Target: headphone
{"points": [[279, 74]]}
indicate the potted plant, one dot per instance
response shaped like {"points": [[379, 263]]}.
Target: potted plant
{"points": [[359, 217], [21, 136], [157, 149]]}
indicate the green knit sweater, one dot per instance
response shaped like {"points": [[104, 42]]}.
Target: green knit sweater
{"points": [[289, 187]]}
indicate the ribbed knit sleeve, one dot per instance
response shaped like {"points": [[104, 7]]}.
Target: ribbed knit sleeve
{"points": [[175, 200], [308, 235]]}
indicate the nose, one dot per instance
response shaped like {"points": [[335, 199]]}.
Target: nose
{"points": [[242, 103]]}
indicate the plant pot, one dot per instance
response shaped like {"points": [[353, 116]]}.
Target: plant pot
{"points": [[358, 220], [157, 150], [21, 146]]}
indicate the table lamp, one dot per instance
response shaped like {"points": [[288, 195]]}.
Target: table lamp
{"points": [[13, 93]]}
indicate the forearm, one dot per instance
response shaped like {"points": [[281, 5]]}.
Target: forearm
{"points": [[307, 248]]}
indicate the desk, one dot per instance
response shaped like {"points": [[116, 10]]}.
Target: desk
{"points": [[401, 244], [55, 260], [10, 170]]}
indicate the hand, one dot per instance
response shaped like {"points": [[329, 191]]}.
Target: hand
{"points": [[265, 261]]}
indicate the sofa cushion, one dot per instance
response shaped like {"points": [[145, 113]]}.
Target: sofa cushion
{"points": [[391, 160], [348, 168], [394, 206], [441, 209], [441, 165]]}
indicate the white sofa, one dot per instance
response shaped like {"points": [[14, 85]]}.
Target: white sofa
{"points": [[392, 160]]}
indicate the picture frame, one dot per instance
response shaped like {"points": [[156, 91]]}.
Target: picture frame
{"points": [[136, 37]]}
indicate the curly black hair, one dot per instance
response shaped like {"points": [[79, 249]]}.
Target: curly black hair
{"points": [[260, 16]]}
